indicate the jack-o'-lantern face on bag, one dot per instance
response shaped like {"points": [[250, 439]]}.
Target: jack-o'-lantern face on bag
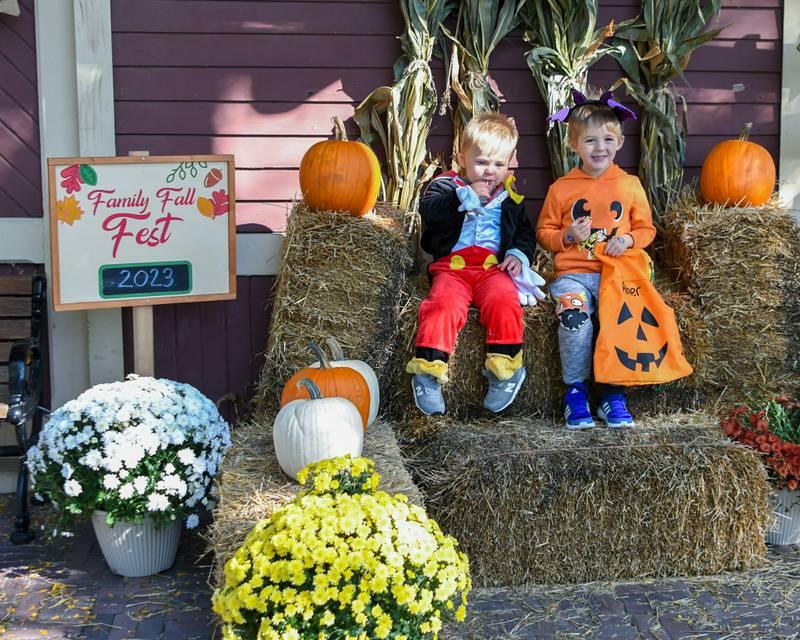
{"points": [[639, 342], [634, 348]]}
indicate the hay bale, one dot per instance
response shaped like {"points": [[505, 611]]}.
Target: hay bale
{"points": [[531, 502], [740, 266], [252, 485], [543, 389], [341, 276], [463, 394]]}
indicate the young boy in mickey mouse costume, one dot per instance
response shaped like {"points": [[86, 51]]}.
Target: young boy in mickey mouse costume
{"points": [[598, 202], [482, 243]]}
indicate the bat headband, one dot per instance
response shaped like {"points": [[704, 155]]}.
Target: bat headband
{"points": [[607, 100]]}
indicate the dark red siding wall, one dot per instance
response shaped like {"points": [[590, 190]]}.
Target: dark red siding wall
{"points": [[261, 80], [20, 172]]}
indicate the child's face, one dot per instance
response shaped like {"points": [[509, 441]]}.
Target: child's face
{"points": [[479, 166], [597, 147]]}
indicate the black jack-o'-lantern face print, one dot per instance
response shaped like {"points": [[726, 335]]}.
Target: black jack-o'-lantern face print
{"points": [[598, 234], [633, 346]]}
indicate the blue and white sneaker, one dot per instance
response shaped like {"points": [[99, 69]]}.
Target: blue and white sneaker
{"points": [[501, 393], [614, 412], [427, 394], [576, 408]]}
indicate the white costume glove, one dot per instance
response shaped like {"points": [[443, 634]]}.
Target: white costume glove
{"points": [[528, 284], [470, 203]]}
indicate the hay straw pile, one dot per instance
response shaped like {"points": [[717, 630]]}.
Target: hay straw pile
{"points": [[542, 392], [740, 267], [533, 502], [463, 394], [341, 276], [252, 485]]}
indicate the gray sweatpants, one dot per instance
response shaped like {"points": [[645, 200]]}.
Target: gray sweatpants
{"points": [[576, 296]]}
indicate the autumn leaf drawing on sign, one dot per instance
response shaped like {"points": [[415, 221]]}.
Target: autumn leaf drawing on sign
{"points": [[216, 206], [76, 175], [68, 210]]}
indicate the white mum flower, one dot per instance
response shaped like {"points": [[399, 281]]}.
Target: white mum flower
{"points": [[93, 459], [192, 521], [126, 491], [110, 481], [140, 484], [169, 468], [157, 502], [73, 488], [186, 456]]}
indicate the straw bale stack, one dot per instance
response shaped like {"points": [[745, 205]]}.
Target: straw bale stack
{"points": [[252, 485], [463, 394], [341, 276], [531, 502], [542, 391], [741, 268]]}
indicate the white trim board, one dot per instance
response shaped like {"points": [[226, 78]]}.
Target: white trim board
{"points": [[22, 240], [789, 161]]}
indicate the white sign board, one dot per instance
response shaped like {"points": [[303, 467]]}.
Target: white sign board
{"points": [[133, 231]]}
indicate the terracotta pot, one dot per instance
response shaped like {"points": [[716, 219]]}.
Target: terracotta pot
{"points": [[136, 550]]}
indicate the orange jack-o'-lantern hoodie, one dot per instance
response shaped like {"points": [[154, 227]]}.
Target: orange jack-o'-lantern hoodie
{"points": [[617, 205]]}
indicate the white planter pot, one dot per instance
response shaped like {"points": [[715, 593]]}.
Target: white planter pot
{"points": [[136, 550], [786, 529]]}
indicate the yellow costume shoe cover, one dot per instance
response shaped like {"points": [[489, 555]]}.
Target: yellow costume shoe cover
{"points": [[503, 366], [437, 368]]}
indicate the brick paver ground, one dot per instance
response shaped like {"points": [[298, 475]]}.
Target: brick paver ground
{"points": [[64, 590]]}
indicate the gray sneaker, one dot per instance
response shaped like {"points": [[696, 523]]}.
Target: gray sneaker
{"points": [[501, 393], [427, 394]]}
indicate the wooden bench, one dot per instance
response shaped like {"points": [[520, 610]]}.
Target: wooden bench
{"points": [[22, 303]]}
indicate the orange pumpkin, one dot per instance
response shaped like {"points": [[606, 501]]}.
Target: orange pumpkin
{"points": [[333, 382], [340, 175], [738, 172]]}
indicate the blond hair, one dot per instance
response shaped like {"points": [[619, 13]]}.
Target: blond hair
{"points": [[592, 115], [490, 132]]}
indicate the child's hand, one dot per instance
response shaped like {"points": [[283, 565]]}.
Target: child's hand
{"points": [[619, 245], [579, 230], [512, 265], [470, 203], [482, 190]]}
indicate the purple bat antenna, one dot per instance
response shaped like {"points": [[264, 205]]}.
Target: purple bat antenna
{"points": [[607, 99]]}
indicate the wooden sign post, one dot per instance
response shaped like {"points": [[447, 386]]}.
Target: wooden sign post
{"points": [[139, 231]]}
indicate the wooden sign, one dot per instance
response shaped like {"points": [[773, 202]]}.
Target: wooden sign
{"points": [[133, 231]]}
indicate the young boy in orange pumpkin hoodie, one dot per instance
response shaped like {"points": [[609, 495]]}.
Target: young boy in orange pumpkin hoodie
{"points": [[598, 202], [482, 242]]}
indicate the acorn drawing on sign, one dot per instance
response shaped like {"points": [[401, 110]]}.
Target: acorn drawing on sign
{"points": [[212, 178]]}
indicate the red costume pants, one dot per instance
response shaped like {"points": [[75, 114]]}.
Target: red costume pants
{"points": [[469, 276]]}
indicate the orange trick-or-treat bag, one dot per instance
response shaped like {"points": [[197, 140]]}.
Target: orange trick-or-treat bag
{"points": [[638, 342]]}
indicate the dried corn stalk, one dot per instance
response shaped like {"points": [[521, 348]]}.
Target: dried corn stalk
{"points": [[653, 50], [400, 116], [566, 43], [481, 25]]}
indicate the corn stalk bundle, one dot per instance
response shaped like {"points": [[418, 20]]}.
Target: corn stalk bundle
{"points": [[481, 25], [566, 43], [400, 116], [653, 50]]}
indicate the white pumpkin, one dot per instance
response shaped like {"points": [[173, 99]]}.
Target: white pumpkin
{"points": [[337, 360], [307, 431]]}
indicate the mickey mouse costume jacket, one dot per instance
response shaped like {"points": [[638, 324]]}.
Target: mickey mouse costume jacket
{"points": [[617, 205], [442, 221]]}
